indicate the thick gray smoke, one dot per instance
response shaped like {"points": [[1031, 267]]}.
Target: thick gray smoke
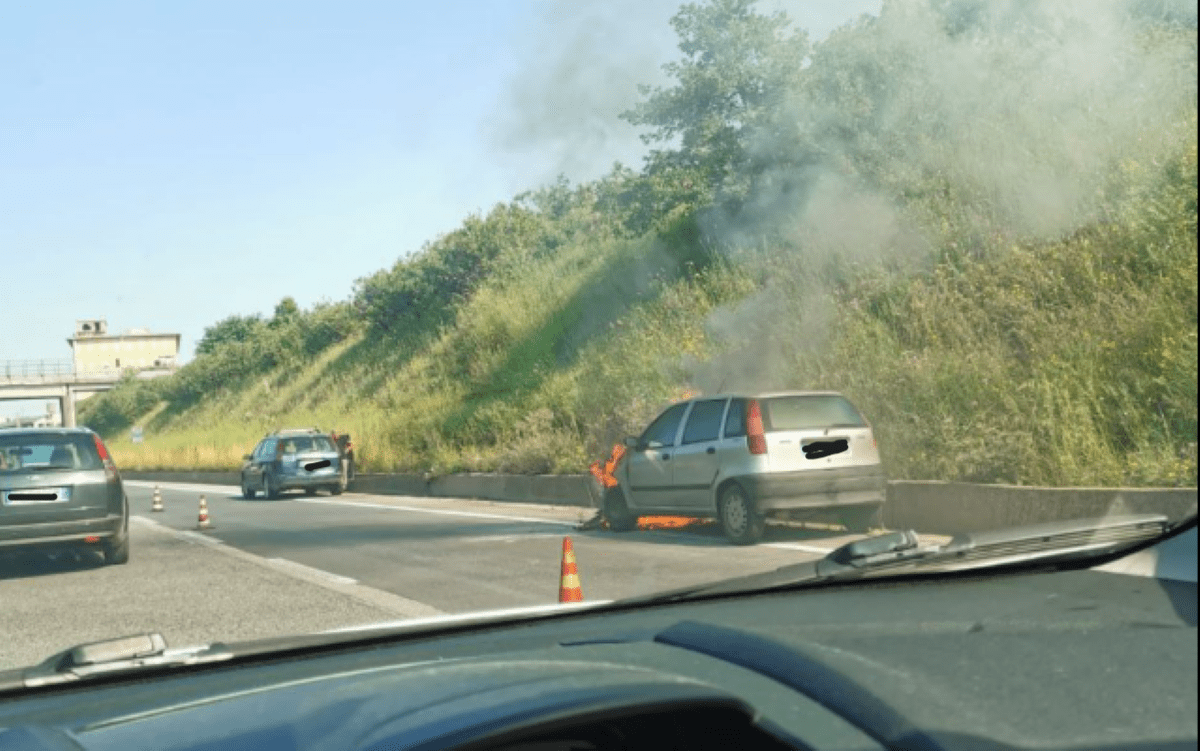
{"points": [[1026, 107], [580, 67]]}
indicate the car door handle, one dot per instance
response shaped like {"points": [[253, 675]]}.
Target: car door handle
{"points": [[666, 457], [711, 450]]}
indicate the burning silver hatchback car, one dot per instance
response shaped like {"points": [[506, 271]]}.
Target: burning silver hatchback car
{"points": [[742, 458]]}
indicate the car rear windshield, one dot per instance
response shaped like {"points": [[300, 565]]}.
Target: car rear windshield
{"points": [[299, 445], [809, 412], [47, 453]]}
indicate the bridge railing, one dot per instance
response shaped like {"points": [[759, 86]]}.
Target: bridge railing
{"points": [[48, 371]]}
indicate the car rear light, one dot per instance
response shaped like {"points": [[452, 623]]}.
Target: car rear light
{"points": [[756, 438], [110, 469]]}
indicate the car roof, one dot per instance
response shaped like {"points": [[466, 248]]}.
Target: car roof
{"points": [[298, 431], [763, 395], [47, 431]]}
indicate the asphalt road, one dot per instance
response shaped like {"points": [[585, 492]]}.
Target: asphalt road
{"points": [[301, 564]]}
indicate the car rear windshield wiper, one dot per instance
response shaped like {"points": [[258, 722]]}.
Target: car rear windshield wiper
{"points": [[902, 552], [104, 658]]}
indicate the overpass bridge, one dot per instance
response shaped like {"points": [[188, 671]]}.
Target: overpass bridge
{"points": [[53, 380]]}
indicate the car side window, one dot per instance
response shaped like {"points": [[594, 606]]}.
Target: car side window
{"points": [[704, 422], [258, 450], [662, 431], [268, 449], [735, 423]]}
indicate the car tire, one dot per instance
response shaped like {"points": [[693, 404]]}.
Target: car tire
{"points": [[116, 551], [247, 492], [270, 488], [336, 489], [740, 520], [616, 511], [862, 519], [310, 491]]}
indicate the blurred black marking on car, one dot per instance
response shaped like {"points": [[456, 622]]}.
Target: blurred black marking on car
{"points": [[819, 449], [314, 466], [33, 496]]}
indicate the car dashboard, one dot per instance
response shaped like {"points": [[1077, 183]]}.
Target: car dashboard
{"points": [[1081, 659]]}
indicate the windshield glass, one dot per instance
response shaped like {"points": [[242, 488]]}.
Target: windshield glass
{"points": [[390, 311]]}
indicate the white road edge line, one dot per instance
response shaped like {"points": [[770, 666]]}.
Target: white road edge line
{"points": [[409, 609], [798, 546], [444, 512], [310, 571]]}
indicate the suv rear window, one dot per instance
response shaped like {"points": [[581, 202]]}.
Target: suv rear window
{"points": [[808, 412], [300, 444], [38, 453]]}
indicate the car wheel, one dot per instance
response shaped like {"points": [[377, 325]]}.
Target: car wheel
{"points": [[247, 492], [116, 550], [616, 511], [740, 519], [270, 487], [863, 519], [310, 491]]}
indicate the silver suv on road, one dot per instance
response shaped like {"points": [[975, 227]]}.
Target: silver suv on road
{"points": [[742, 458]]}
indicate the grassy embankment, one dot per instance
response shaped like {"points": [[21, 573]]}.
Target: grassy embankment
{"points": [[532, 338]]}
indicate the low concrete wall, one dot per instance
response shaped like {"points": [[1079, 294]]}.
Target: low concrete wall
{"points": [[945, 508], [559, 490], [950, 508], [202, 478]]}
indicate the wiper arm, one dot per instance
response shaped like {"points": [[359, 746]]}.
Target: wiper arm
{"points": [[129, 653], [902, 552]]}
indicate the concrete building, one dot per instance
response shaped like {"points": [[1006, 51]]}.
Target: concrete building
{"points": [[95, 351]]}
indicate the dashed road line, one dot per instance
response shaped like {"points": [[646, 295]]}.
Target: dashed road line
{"points": [[444, 512], [401, 606]]}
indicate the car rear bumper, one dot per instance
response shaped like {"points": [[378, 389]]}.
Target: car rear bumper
{"points": [[75, 530], [813, 489], [322, 479]]}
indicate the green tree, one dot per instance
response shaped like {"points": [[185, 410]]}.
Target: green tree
{"points": [[738, 68], [287, 310], [235, 328]]}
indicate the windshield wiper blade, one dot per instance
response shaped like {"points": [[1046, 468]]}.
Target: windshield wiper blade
{"points": [[127, 653], [902, 553]]}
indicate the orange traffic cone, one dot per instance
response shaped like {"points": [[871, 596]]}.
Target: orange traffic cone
{"points": [[569, 589], [203, 523]]}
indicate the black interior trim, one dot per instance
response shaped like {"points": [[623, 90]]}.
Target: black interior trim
{"points": [[805, 673]]}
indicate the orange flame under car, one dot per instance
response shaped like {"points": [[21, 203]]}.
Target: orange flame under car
{"points": [[605, 472]]}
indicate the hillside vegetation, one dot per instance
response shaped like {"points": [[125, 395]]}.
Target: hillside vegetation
{"points": [[976, 220]]}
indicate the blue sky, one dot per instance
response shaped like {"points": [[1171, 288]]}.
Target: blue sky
{"points": [[167, 164]]}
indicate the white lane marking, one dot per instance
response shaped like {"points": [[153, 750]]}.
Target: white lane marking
{"points": [[214, 489], [344, 585], [310, 571], [798, 546], [510, 538], [444, 512]]}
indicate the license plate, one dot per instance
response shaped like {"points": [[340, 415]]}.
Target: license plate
{"points": [[25, 496]]}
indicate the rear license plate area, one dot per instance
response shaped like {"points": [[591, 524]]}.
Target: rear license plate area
{"points": [[28, 496], [818, 448]]}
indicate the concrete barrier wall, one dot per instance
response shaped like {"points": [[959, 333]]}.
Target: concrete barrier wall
{"points": [[950, 508], [945, 508]]}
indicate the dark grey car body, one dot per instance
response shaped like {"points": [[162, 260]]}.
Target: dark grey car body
{"points": [[60, 488]]}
